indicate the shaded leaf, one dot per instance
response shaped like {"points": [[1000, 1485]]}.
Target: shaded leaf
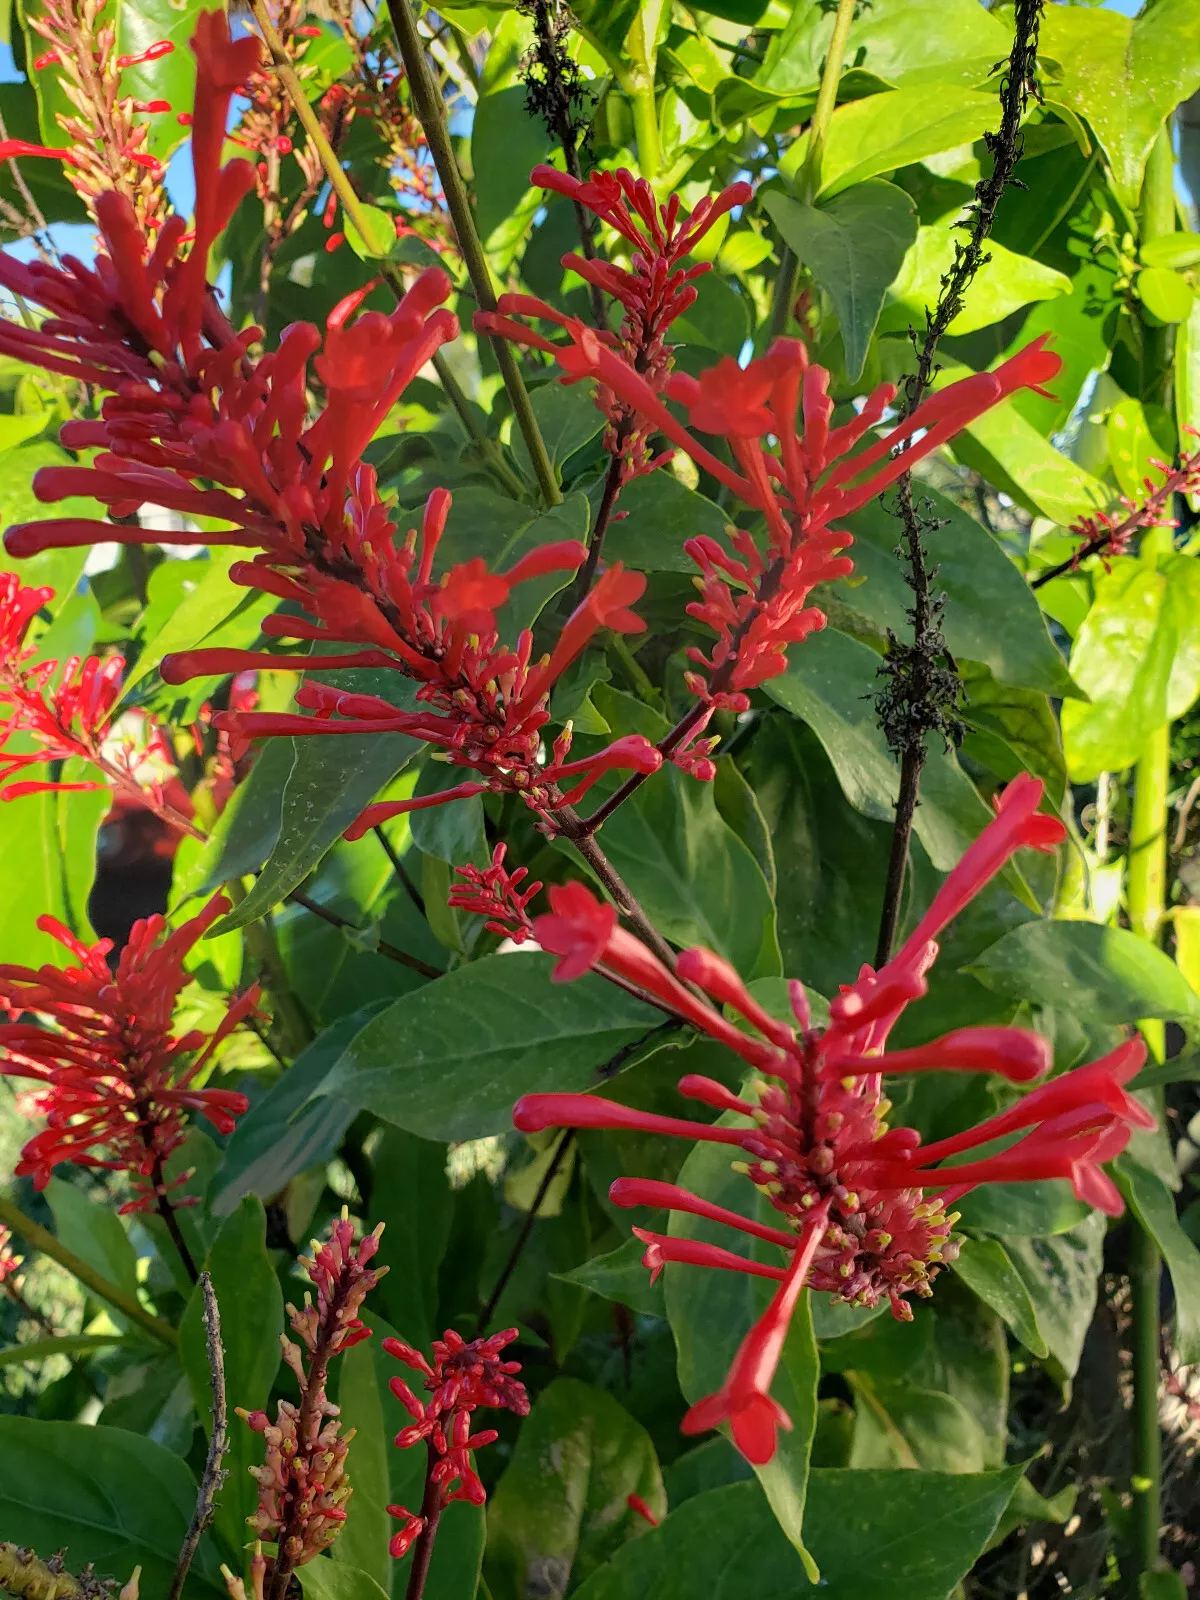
{"points": [[1061, 1275], [985, 1266], [1154, 1206]]}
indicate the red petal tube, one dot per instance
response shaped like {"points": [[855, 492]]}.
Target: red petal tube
{"points": [[533, 1112], [628, 1192], [1012, 1053], [661, 1248]]}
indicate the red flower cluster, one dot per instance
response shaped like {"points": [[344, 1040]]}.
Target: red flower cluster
{"points": [[114, 1084], [1108, 533], [653, 292], [303, 1486], [756, 602], [496, 893], [866, 1210], [464, 1376]]}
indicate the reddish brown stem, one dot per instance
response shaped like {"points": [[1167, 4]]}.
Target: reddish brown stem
{"points": [[432, 1506]]}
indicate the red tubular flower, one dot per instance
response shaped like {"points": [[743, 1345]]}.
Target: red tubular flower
{"points": [[10, 1264], [654, 291], [859, 1221], [496, 893], [115, 1085], [464, 1376], [303, 1487]]}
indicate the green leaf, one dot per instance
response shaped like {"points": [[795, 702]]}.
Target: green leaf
{"points": [[560, 1509], [1161, 1584], [1003, 284], [695, 879], [915, 1533], [621, 1277], [477, 1039], [1105, 974], [1061, 1274], [991, 616], [854, 245], [1165, 294], [711, 1312], [1039, 1209], [506, 142], [412, 1195], [287, 1131], [986, 1267], [333, 777], [205, 607], [1137, 656], [893, 129], [1177, 250], [93, 1232], [1132, 448], [830, 685], [362, 1546], [718, 318], [1014, 456], [658, 513], [568, 418], [1154, 1206], [50, 854], [380, 237], [1125, 76], [333, 1579], [251, 1306], [70, 1344], [105, 1496], [902, 1425]]}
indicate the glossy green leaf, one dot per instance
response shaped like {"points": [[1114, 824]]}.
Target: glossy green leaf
{"points": [[50, 850], [332, 778], [1137, 656], [1154, 1206], [1166, 295], [990, 616], [1161, 1584], [1176, 250], [104, 1495], [893, 129], [251, 1306], [411, 1195], [1002, 285], [1023, 1209], [621, 1277], [658, 514], [904, 1425], [206, 605], [330, 1579], [1125, 75], [1131, 448], [1061, 1275], [506, 143], [986, 1267], [363, 1544], [70, 1344], [287, 1132], [560, 1509], [915, 1533], [568, 418], [1015, 457], [1106, 974], [830, 685], [854, 244], [711, 1312], [477, 1039], [380, 236]]}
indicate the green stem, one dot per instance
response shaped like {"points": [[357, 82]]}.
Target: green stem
{"points": [[427, 103], [1145, 1272], [810, 177], [1157, 217], [42, 1239], [639, 86]]}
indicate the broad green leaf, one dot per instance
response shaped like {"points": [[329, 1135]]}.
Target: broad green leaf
{"points": [[1125, 75], [93, 1231], [1023, 1209], [16, 428], [711, 1312], [991, 616], [251, 1306], [985, 1266], [1010, 729], [171, 77], [506, 143], [1161, 1584], [1187, 377], [1082, 324], [412, 1196], [560, 1509], [830, 685], [333, 777], [329, 1578], [363, 1544], [1166, 295], [1131, 448], [287, 1132], [1014, 456], [1106, 974], [1003, 284], [380, 236], [1061, 1275], [658, 513], [893, 129], [205, 607], [693, 876], [247, 830], [104, 1495], [1177, 250], [1154, 1206], [477, 1039], [915, 1533], [50, 854], [718, 318], [621, 1277], [903, 1425], [854, 245], [1137, 656], [568, 418]]}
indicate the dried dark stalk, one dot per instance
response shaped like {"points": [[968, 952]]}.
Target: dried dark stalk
{"points": [[556, 91], [399, 869], [920, 681], [336, 920], [514, 1255], [218, 1444]]}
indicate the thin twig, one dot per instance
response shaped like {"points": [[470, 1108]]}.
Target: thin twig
{"points": [[336, 920], [514, 1255], [414, 894], [218, 1444], [167, 1212], [433, 1503], [928, 712]]}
